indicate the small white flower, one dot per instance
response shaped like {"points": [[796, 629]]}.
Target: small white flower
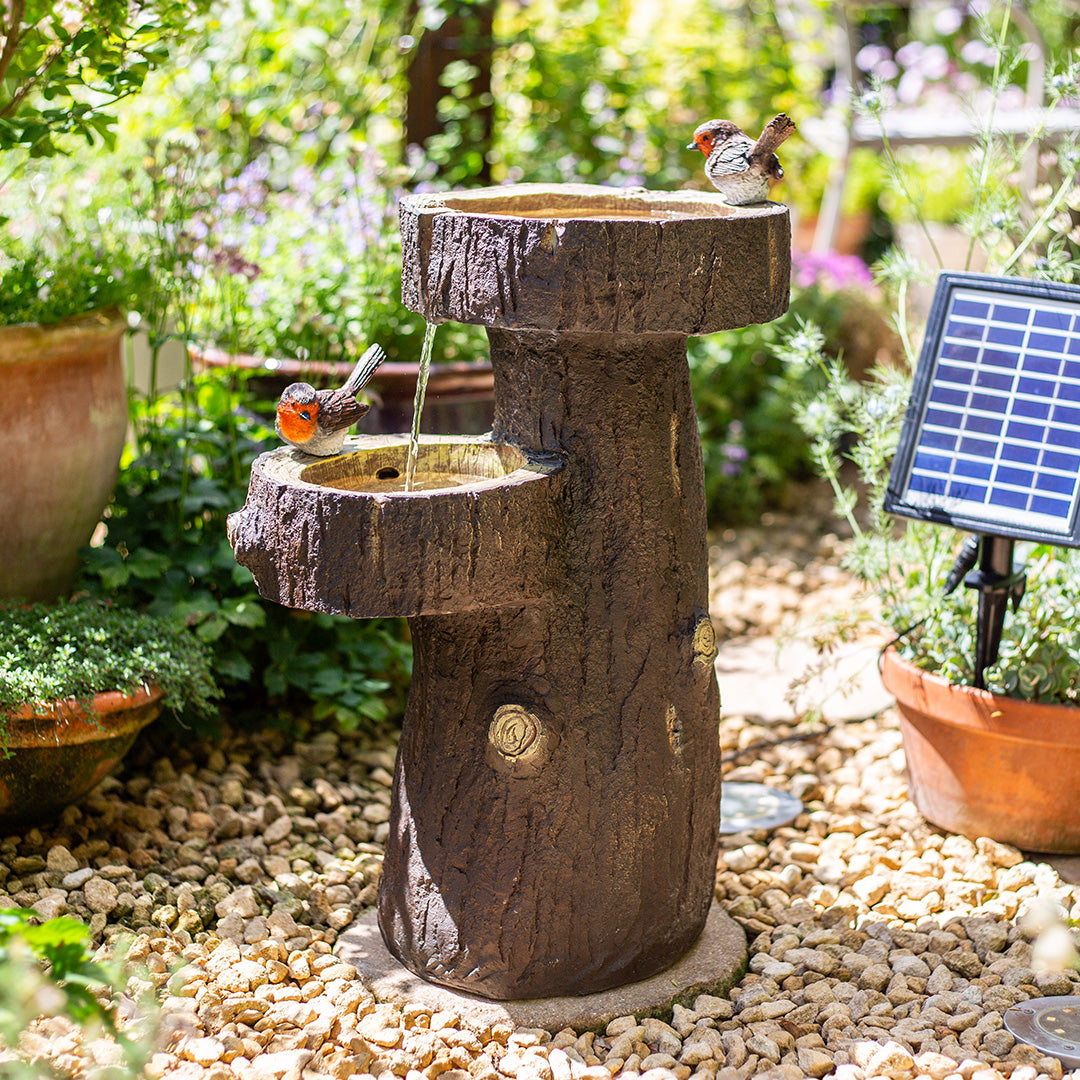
{"points": [[1054, 949]]}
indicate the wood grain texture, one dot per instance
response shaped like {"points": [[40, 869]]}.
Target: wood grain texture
{"points": [[555, 810], [597, 868], [708, 267], [494, 542]]}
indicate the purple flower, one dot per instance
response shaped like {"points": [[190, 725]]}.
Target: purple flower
{"points": [[830, 270]]}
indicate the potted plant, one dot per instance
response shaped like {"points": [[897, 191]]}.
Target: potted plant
{"points": [[78, 681], [1000, 761], [62, 70]]}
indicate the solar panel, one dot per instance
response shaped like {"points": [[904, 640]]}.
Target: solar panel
{"points": [[991, 439]]}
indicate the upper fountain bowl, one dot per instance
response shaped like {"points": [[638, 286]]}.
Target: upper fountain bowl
{"points": [[592, 259]]}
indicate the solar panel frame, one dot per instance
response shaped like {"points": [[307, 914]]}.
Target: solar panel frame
{"points": [[1013, 435]]}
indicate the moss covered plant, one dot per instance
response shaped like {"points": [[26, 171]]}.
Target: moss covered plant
{"points": [[79, 648]]}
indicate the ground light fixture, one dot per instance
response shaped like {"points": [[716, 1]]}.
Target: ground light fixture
{"points": [[746, 806], [991, 438], [1051, 1024]]}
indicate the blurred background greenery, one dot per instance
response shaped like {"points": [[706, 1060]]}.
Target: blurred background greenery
{"points": [[245, 198]]}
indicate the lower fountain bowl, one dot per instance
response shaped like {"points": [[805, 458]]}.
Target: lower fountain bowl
{"points": [[341, 534]]}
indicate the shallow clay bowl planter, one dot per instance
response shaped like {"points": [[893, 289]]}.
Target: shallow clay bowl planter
{"points": [[55, 756], [982, 764], [60, 454], [460, 394]]}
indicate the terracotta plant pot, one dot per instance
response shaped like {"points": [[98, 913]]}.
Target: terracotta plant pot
{"points": [[982, 764], [56, 756], [460, 396], [59, 458]]}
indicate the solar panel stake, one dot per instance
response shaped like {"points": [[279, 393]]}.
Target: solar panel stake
{"points": [[998, 581]]}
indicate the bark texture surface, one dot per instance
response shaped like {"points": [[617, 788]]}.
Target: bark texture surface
{"points": [[688, 264], [313, 546], [590, 862], [555, 812]]}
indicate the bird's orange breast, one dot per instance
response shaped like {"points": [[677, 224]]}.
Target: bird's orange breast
{"points": [[293, 426]]}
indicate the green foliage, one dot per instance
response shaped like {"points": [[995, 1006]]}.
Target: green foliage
{"points": [[296, 81], [611, 92], [42, 286], [746, 395], [46, 969], [906, 563], [167, 551], [64, 67], [82, 647]]}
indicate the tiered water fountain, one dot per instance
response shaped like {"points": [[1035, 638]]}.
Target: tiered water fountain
{"points": [[554, 825]]}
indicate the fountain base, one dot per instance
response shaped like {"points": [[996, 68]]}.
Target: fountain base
{"points": [[713, 964]]}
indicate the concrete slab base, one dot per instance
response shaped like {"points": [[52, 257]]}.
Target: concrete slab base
{"points": [[712, 966]]}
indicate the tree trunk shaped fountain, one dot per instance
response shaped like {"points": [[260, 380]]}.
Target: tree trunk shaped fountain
{"points": [[555, 814]]}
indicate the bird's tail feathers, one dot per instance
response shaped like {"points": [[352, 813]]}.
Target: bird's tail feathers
{"points": [[366, 366], [779, 128]]}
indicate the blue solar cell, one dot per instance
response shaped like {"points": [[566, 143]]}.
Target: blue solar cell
{"points": [[929, 485], [1027, 455], [1066, 437], [1057, 508], [942, 417], [994, 403], [933, 463], [994, 380], [946, 395], [953, 374], [969, 331], [1055, 320], [971, 308], [1054, 343], [1006, 474], [1008, 313], [960, 489], [938, 440], [978, 447], [1036, 410], [1054, 459], [1018, 430], [984, 425], [1015, 500], [977, 470], [1000, 359], [1071, 369], [1065, 414], [952, 350], [1044, 365], [1062, 485], [1036, 387], [1001, 335], [1074, 345]]}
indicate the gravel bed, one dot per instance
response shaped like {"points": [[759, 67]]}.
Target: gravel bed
{"points": [[879, 946]]}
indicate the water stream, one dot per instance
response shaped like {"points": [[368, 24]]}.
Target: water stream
{"points": [[418, 403]]}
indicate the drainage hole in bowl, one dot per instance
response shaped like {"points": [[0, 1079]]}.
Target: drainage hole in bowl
{"points": [[387, 473]]}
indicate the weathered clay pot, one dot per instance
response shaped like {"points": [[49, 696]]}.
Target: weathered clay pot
{"points": [[982, 764], [56, 756], [65, 421]]}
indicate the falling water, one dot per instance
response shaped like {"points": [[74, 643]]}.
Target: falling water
{"points": [[418, 403]]}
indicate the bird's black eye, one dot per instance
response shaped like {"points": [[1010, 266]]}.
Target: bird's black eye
{"points": [[305, 413]]}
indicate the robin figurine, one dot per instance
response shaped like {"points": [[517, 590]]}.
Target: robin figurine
{"points": [[316, 421], [741, 169]]}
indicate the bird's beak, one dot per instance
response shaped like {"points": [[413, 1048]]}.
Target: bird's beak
{"points": [[691, 146]]}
